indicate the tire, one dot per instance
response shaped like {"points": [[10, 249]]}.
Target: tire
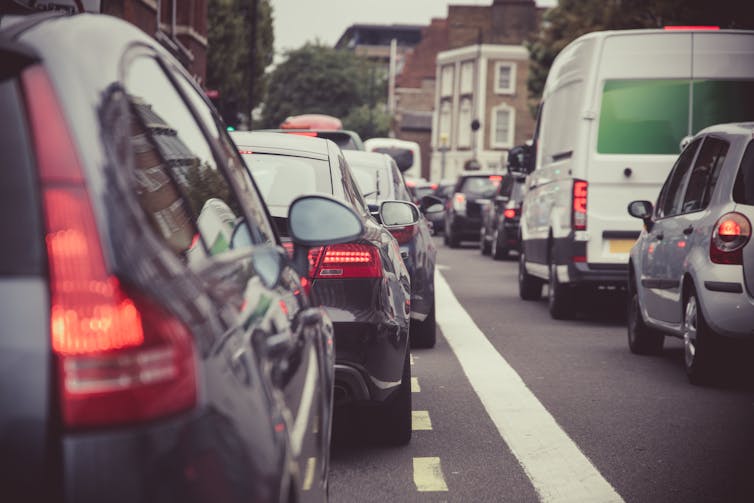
{"points": [[424, 333], [451, 238], [559, 296], [642, 340], [498, 251], [485, 246], [700, 344], [529, 287], [392, 420]]}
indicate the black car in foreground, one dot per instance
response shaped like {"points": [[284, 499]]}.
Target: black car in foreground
{"points": [[499, 234], [463, 211], [156, 342], [381, 180], [364, 284]]}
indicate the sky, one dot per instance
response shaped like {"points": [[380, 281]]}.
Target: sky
{"points": [[299, 21]]}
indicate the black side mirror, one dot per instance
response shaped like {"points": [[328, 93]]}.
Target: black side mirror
{"points": [[428, 202], [642, 210]]}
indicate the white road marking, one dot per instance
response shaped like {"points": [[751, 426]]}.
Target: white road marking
{"points": [[559, 471], [415, 388], [411, 358], [441, 267], [420, 420], [428, 475]]}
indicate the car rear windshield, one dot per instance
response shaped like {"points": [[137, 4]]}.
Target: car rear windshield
{"points": [[22, 252], [374, 182], [403, 157], [282, 178], [743, 190], [480, 186], [652, 116]]}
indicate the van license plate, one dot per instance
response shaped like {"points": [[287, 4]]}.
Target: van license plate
{"points": [[621, 245]]}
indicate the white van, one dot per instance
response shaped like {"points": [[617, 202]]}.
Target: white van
{"points": [[615, 107], [407, 154]]}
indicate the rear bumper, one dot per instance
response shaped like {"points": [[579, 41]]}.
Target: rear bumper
{"points": [[466, 227]]}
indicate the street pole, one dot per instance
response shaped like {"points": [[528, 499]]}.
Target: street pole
{"points": [[254, 14], [475, 100]]}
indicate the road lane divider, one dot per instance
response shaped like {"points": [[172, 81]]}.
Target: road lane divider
{"points": [[557, 468], [428, 475], [420, 420], [415, 388]]}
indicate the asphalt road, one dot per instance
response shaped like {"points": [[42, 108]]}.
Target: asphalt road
{"points": [[636, 422]]}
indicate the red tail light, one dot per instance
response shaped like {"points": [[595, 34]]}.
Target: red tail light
{"points": [[731, 233], [350, 260], [510, 213], [303, 133], [578, 215], [459, 202], [404, 234], [698, 28], [120, 357]]}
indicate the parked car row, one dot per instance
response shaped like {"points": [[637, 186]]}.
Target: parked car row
{"points": [[181, 312]]}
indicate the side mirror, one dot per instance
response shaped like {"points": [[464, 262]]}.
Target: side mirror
{"points": [[435, 208], [520, 160], [429, 201], [642, 210], [398, 213], [240, 238], [318, 220]]}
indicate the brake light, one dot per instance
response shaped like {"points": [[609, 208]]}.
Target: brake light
{"points": [[496, 179], [698, 28], [459, 202], [349, 260], [120, 358], [404, 234], [731, 233], [509, 213], [245, 152], [578, 215], [303, 133]]}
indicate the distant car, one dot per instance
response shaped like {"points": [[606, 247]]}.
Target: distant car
{"points": [[379, 178], [363, 284], [346, 140], [156, 342], [691, 272], [499, 234], [443, 191], [463, 211]]}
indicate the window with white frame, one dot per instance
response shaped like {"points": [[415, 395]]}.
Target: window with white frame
{"points": [[464, 123], [467, 77], [505, 78], [503, 124], [443, 139], [446, 76]]}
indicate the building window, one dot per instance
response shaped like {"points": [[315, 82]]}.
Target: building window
{"points": [[505, 78], [503, 121], [444, 134], [467, 77], [446, 80], [464, 123]]}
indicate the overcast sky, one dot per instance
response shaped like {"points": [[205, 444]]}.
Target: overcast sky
{"points": [[300, 21]]}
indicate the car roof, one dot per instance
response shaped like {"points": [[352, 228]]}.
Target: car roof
{"points": [[734, 128], [263, 141]]}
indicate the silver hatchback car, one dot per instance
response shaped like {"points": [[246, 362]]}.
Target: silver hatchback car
{"points": [[691, 272]]}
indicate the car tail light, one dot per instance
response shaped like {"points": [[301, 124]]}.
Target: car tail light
{"points": [[303, 133], [731, 233], [510, 213], [697, 28], [349, 260], [404, 234], [120, 357], [578, 214], [459, 202]]}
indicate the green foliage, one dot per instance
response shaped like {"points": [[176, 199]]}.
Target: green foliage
{"points": [[320, 79], [241, 85], [369, 122], [573, 18]]}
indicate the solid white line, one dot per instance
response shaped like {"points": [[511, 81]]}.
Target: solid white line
{"points": [[420, 420], [415, 388], [411, 358], [428, 475], [559, 471]]}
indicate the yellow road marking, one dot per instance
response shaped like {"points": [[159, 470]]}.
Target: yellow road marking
{"points": [[415, 388], [428, 475], [311, 463], [420, 420]]}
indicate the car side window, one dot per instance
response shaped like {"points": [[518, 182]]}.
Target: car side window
{"points": [[743, 189], [179, 183], [704, 174], [401, 192], [671, 196]]}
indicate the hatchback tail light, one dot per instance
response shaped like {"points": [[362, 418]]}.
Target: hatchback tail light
{"points": [[578, 213], [731, 233], [120, 357], [404, 234], [459, 202], [510, 213], [349, 260]]}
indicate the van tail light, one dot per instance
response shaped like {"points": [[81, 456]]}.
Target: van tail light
{"points": [[120, 358], [510, 213], [459, 202], [731, 233], [578, 213], [349, 260], [404, 234]]}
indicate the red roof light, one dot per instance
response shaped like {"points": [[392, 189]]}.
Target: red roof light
{"points": [[698, 28]]}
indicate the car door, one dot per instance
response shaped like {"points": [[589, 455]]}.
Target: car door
{"points": [[264, 369]]}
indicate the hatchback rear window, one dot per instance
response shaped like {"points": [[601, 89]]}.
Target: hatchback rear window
{"points": [[480, 186], [282, 178], [375, 183], [403, 157]]}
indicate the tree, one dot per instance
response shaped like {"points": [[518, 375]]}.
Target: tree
{"points": [[241, 85], [573, 18], [320, 79]]}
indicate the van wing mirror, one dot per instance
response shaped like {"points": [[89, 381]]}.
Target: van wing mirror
{"points": [[521, 160]]}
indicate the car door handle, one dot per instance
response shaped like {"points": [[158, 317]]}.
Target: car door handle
{"points": [[688, 230]]}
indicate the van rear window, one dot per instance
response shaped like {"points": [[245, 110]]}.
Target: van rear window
{"points": [[403, 157], [652, 116]]}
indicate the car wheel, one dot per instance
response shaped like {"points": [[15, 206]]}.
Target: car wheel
{"points": [[529, 287], [642, 340], [484, 244], [559, 296], [393, 419], [424, 333], [700, 346], [452, 239], [498, 251]]}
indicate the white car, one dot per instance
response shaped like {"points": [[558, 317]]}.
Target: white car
{"points": [[691, 273]]}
